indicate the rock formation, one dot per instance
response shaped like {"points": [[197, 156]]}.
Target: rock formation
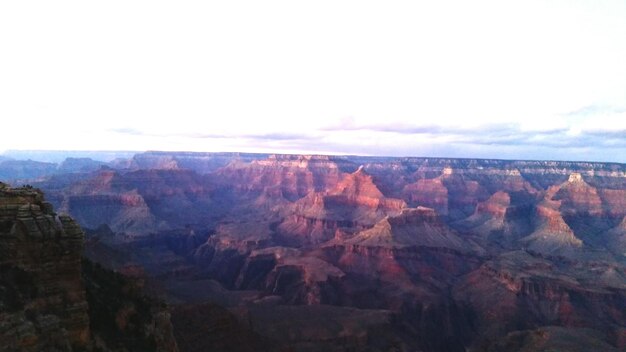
{"points": [[310, 252], [43, 299], [45, 304], [354, 203]]}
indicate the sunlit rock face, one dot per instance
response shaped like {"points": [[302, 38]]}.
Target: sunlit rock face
{"points": [[354, 203], [314, 252], [293, 176]]}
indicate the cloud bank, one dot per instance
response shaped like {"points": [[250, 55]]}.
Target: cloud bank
{"points": [[533, 79], [583, 140]]}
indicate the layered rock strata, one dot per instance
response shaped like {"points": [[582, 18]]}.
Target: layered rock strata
{"points": [[42, 298], [45, 304]]}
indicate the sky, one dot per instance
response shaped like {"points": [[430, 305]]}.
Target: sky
{"points": [[484, 79]]}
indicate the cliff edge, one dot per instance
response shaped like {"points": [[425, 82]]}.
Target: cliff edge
{"points": [[45, 304]]}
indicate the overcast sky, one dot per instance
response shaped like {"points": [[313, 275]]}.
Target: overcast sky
{"points": [[498, 79]]}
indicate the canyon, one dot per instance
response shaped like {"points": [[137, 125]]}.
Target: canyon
{"points": [[250, 252], [51, 299]]}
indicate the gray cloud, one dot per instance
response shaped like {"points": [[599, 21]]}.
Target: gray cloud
{"points": [[621, 134]]}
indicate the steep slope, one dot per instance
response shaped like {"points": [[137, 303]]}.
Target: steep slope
{"points": [[209, 327], [464, 192], [202, 163], [520, 290], [225, 252], [415, 245], [42, 298], [616, 239], [25, 170], [552, 235], [139, 202], [578, 196], [413, 227], [101, 199], [353, 204], [584, 210], [50, 301], [519, 254], [79, 165], [121, 316], [552, 338], [500, 221], [430, 193], [293, 176], [489, 216]]}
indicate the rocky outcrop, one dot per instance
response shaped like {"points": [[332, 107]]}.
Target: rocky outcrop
{"points": [[80, 165], [50, 301], [201, 163], [126, 212], [354, 203], [552, 234], [209, 327], [577, 196], [522, 290], [551, 338], [225, 252], [613, 201], [490, 249], [430, 193], [42, 298], [298, 278], [489, 216], [138, 202], [464, 193], [616, 239], [413, 227], [500, 221], [294, 175], [122, 317], [588, 210], [24, 170]]}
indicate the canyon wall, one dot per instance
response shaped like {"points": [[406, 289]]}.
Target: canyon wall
{"points": [[52, 300], [364, 253]]}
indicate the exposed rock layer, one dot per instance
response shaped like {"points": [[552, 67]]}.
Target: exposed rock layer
{"points": [[42, 300], [458, 254], [44, 303]]}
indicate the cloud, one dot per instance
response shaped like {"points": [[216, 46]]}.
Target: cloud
{"points": [[596, 109], [607, 134], [350, 124], [131, 131], [484, 134], [280, 136], [277, 136], [497, 140]]}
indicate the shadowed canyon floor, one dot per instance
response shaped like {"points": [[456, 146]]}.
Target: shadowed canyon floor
{"points": [[346, 253]]}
